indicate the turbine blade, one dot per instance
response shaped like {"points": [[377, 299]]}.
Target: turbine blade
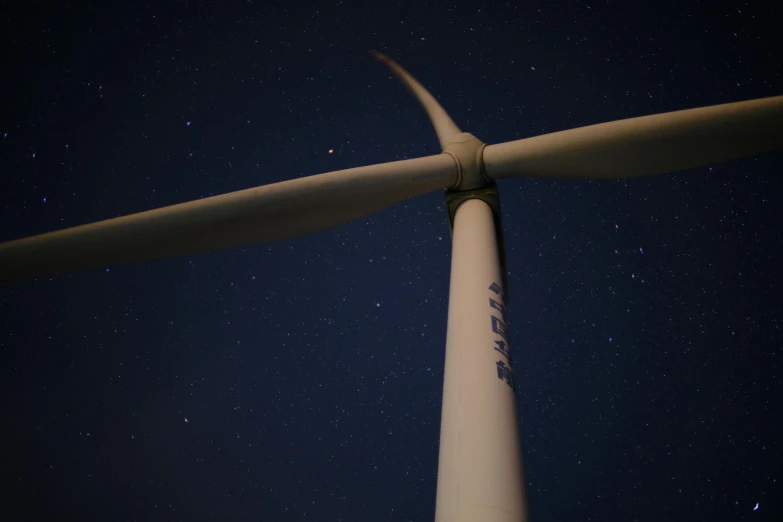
{"points": [[445, 127], [644, 146], [261, 214]]}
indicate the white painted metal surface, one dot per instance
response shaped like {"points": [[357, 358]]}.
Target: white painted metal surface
{"points": [[480, 465]]}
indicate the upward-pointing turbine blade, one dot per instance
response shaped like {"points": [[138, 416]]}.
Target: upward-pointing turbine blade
{"points": [[644, 146], [445, 127], [256, 215]]}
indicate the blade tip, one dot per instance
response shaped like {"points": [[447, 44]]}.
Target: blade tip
{"points": [[379, 55]]}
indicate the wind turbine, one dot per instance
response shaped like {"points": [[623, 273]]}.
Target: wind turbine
{"points": [[480, 473]]}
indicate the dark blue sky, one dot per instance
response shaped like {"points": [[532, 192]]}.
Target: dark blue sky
{"points": [[301, 380]]}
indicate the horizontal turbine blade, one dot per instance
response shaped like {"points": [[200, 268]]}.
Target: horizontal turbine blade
{"points": [[644, 146], [256, 215], [445, 127]]}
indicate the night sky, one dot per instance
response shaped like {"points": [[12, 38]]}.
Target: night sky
{"points": [[302, 380]]}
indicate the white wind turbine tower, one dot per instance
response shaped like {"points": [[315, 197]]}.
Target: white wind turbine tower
{"points": [[480, 465]]}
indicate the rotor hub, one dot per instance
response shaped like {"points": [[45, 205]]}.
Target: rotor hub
{"points": [[468, 152]]}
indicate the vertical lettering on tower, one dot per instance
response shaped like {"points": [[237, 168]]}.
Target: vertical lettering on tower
{"points": [[497, 315]]}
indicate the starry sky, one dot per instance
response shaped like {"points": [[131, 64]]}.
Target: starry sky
{"points": [[302, 380]]}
